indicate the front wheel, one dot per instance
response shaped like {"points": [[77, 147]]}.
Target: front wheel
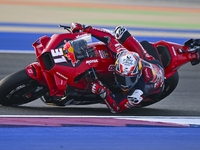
{"points": [[170, 85], [19, 88]]}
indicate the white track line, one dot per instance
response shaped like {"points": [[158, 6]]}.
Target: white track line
{"points": [[165, 119], [18, 51]]}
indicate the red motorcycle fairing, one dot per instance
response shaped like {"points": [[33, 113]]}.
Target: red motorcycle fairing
{"points": [[34, 71], [60, 70], [173, 56], [57, 70]]}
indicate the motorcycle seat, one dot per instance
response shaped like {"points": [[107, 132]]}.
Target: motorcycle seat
{"points": [[161, 54], [164, 55], [150, 50]]}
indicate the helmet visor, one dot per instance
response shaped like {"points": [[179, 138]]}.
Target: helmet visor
{"points": [[126, 82]]}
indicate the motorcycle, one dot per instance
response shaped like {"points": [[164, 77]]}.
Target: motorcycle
{"points": [[63, 77]]}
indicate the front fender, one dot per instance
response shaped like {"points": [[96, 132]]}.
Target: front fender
{"points": [[35, 72]]}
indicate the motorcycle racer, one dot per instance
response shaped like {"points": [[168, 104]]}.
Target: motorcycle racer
{"points": [[137, 73]]}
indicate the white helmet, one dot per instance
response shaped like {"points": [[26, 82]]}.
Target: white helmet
{"points": [[128, 70]]}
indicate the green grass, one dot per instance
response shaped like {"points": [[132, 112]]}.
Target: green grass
{"points": [[143, 23], [139, 12]]}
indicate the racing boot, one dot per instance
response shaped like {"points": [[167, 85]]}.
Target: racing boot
{"points": [[121, 34], [129, 42], [196, 61], [194, 44]]}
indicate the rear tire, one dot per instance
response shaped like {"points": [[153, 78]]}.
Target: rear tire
{"points": [[19, 88]]}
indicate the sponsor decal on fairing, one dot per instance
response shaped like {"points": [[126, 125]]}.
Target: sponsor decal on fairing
{"points": [[111, 67], [85, 37], [92, 61], [61, 75]]}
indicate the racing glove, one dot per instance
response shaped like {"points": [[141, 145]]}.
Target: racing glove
{"points": [[76, 27], [98, 88], [136, 97]]}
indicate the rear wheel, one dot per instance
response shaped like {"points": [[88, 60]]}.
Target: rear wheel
{"points": [[19, 88]]}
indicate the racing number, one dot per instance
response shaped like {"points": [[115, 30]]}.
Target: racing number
{"points": [[58, 55]]}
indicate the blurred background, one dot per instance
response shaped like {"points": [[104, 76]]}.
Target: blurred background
{"points": [[23, 22]]}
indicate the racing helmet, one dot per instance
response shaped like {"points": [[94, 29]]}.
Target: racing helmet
{"points": [[128, 70]]}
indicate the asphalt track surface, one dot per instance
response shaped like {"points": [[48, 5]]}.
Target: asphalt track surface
{"points": [[184, 101]]}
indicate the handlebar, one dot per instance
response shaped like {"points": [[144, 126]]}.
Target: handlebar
{"points": [[68, 28]]}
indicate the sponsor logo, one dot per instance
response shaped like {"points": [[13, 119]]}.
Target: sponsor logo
{"points": [[127, 61], [147, 73], [80, 36], [69, 53], [118, 44], [111, 67], [92, 61], [30, 71], [119, 48], [85, 37], [28, 96], [61, 75], [104, 54]]}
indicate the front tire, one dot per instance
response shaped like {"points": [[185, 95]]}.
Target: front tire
{"points": [[19, 88], [170, 85]]}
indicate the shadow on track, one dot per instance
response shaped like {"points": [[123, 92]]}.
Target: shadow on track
{"points": [[73, 111]]}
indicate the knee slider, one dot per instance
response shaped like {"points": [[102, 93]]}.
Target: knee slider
{"points": [[121, 34]]}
